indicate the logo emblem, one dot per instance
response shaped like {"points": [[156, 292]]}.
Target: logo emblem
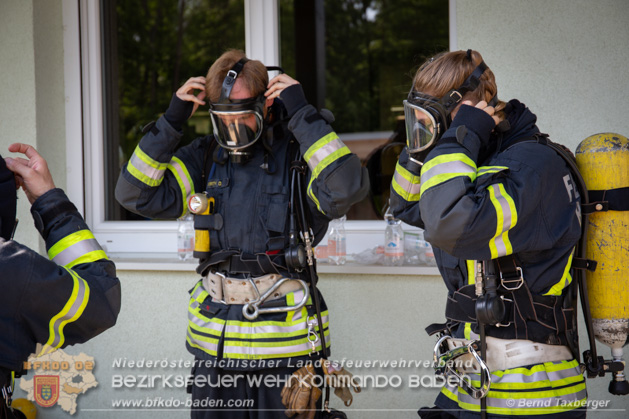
{"points": [[46, 390]]}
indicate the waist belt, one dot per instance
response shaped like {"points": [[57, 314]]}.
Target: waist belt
{"points": [[242, 291], [538, 318], [233, 262], [503, 354]]}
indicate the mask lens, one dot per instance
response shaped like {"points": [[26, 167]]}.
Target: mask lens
{"points": [[420, 127], [236, 130]]}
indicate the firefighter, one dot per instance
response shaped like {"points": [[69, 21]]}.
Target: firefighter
{"points": [[501, 210], [67, 298], [241, 187]]}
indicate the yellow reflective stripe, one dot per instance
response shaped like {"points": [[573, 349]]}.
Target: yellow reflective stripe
{"points": [[565, 280], [486, 170], [145, 169], [506, 219], [320, 143], [559, 407], [76, 248], [406, 184], [445, 167], [72, 310], [325, 162], [180, 171], [471, 279]]}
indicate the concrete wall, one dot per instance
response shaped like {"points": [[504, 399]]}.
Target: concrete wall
{"points": [[566, 59]]}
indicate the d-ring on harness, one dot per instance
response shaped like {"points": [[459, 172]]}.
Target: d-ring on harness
{"points": [[252, 310]]}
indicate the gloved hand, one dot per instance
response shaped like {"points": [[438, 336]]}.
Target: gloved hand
{"points": [[300, 394], [480, 120], [341, 380]]}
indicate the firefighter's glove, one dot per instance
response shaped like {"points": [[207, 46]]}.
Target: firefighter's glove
{"points": [[300, 394], [341, 380], [471, 127]]}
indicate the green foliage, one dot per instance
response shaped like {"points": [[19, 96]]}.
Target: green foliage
{"points": [[162, 43]]}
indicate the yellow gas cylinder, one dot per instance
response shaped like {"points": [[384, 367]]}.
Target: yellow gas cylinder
{"points": [[603, 160], [25, 407]]}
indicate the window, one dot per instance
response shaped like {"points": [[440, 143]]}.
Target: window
{"points": [[132, 57], [357, 58]]}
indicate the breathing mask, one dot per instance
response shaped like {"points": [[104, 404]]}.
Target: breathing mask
{"points": [[237, 123], [428, 117], [8, 201]]}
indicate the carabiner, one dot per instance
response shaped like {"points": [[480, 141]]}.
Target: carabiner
{"points": [[252, 310], [445, 366]]}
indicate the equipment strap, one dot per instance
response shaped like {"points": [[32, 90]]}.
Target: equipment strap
{"points": [[607, 200], [521, 308]]}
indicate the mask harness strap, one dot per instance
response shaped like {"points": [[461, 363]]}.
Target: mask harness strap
{"points": [[230, 80]]}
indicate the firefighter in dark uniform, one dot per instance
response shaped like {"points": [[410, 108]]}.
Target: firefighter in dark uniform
{"points": [[495, 200], [260, 129], [67, 298]]}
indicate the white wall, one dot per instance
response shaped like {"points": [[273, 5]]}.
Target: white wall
{"points": [[567, 60]]}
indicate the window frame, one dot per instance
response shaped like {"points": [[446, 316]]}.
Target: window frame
{"points": [[84, 131]]}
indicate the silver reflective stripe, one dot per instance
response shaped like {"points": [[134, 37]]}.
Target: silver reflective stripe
{"points": [[410, 188], [448, 168], [256, 331], [501, 247], [70, 254], [182, 176], [147, 170], [59, 323], [565, 400], [318, 156], [203, 344], [202, 323], [270, 350]]}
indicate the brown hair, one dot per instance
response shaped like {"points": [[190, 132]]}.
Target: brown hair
{"points": [[253, 75], [448, 70]]}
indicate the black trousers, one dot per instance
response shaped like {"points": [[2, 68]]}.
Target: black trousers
{"points": [[224, 394]]}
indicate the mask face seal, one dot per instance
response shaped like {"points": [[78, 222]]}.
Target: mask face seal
{"points": [[428, 117]]}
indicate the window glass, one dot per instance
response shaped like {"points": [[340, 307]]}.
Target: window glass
{"points": [[150, 48], [357, 58]]}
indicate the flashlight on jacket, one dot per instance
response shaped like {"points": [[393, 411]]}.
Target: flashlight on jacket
{"points": [[200, 205]]}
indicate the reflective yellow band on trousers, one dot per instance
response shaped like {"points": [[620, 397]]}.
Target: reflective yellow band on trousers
{"points": [[263, 339], [551, 387]]}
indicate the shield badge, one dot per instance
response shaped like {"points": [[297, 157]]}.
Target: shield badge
{"points": [[46, 390]]}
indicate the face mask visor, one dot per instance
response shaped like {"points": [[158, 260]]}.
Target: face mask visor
{"points": [[237, 125], [422, 130]]}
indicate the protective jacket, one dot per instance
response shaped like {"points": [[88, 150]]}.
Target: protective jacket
{"points": [[252, 200], [479, 203], [56, 302]]}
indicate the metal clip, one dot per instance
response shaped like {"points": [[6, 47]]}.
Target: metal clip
{"points": [[252, 309], [313, 338], [519, 280], [445, 366]]}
